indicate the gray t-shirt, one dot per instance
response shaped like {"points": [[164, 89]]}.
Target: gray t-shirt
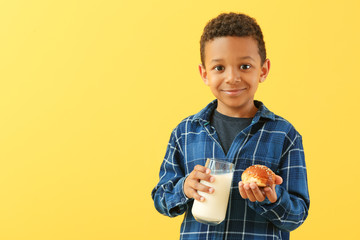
{"points": [[228, 128]]}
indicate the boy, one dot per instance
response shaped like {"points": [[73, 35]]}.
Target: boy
{"points": [[242, 130]]}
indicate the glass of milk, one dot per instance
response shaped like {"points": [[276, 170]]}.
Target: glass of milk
{"points": [[212, 210]]}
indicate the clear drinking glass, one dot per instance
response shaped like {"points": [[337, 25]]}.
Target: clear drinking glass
{"points": [[212, 211]]}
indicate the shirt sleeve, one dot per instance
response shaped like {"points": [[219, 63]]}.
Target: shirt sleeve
{"points": [[168, 195], [292, 206]]}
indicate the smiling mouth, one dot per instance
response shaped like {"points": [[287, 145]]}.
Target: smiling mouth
{"points": [[233, 92]]}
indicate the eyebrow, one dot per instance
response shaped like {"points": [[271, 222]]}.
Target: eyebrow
{"points": [[240, 58]]}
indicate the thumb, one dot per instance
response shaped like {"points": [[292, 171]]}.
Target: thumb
{"points": [[278, 180]]}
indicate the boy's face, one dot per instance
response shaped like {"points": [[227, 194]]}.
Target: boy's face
{"points": [[233, 71]]}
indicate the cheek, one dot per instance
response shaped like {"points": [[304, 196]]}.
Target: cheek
{"points": [[216, 81], [253, 80], [214, 89], [215, 86], [254, 87]]}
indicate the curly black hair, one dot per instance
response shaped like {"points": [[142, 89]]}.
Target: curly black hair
{"points": [[232, 24]]}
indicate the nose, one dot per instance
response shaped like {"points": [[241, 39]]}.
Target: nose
{"points": [[233, 76]]}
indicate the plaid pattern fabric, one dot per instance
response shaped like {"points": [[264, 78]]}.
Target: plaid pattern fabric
{"points": [[269, 140]]}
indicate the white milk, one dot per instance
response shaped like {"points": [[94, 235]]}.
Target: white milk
{"points": [[213, 209]]}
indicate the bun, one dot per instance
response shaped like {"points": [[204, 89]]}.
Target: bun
{"points": [[259, 174]]}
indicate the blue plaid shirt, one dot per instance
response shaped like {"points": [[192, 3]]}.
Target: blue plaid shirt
{"points": [[269, 140]]}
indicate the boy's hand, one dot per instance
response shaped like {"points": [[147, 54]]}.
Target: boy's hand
{"points": [[192, 183], [254, 193]]}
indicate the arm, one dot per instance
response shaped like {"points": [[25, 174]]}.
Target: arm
{"points": [[168, 195], [288, 207]]}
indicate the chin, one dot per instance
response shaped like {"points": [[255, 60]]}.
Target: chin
{"points": [[234, 104]]}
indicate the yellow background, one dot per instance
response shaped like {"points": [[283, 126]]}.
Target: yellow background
{"points": [[90, 91]]}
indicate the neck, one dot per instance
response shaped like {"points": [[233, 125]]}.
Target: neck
{"points": [[246, 111]]}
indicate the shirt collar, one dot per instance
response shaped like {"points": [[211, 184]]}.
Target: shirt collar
{"points": [[204, 115]]}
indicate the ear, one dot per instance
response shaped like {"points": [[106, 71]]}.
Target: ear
{"points": [[264, 70], [203, 74]]}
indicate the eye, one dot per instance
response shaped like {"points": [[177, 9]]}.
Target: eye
{"points": [[219, 68], [245, 66]]}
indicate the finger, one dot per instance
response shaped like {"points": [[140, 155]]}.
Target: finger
{"points": [[191, 186], [196, 196], [278, 180], [257, 192], [202, 176], [242, 190], [270, 194], [262, 191], [202, 169], [249, 192], [196, 185]]}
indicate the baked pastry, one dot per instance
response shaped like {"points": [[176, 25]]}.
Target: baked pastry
{"points": [[259, 174]]}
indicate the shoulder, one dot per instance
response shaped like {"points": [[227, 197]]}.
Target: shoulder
{"points": [[283, 125], [188, 126], [195, 121], [272, 121], [277, 124], [189, 123]]}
